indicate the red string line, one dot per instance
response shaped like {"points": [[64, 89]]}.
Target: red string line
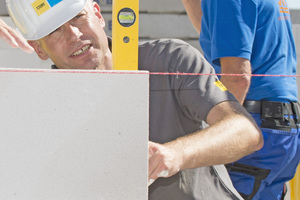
{"points": [[139, 72], [204, 74]]}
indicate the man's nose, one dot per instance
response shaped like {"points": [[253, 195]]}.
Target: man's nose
{"points": [[72, 33]]}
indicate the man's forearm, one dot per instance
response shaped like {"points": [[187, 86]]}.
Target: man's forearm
{"points": [[237, 85], [239, 78], [228, 140], [232, 134]]}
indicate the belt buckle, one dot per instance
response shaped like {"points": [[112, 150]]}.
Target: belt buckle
{"points": [[272, 110]]}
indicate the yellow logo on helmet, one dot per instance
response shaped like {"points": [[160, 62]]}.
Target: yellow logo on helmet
{"points": [[40, 6]]}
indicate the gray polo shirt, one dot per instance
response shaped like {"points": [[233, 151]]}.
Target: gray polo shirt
{"points": [[179, 104]]}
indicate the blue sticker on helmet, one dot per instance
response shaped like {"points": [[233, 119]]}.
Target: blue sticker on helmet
{"points": [[53, 2]]}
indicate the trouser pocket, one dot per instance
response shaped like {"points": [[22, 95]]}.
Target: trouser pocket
{"points": [[254, 176]]}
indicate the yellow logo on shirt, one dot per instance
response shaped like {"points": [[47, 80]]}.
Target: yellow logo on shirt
{"points": [[220, 85], [283, 10], [282, 3], [40, 6]]}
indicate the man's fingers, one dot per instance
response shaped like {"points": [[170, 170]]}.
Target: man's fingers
{"points": [[153, 162], [150, 182], [153, 168], [20, 40], [163, 173], [14, 39], [156, 166], [6, 36]]}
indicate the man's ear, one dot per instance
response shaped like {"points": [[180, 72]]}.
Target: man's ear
{"points": [[97, 11], [38, 49]]}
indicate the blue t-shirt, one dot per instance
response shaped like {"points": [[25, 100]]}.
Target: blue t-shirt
{"points": [[258, 30]]}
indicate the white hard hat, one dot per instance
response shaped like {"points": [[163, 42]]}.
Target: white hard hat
{"points": [[37, 18]]}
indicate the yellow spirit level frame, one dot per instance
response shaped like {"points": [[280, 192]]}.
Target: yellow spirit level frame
{"points": [[125, 25]]}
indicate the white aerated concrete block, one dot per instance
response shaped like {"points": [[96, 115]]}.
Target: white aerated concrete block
{"points": [[153, 26], [166, 25], [16, 58], [153, 6], [73, 135], [161, 6], [296, 33]]}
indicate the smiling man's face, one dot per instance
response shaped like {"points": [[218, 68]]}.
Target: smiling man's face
{"points": [[81, 43]]}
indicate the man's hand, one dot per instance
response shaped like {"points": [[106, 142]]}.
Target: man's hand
{"points": [[14, 38], [164, 161]]}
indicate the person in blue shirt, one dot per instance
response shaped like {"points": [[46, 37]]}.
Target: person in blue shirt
{"points": [[253, 38]]}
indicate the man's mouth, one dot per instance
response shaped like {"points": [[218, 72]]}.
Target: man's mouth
{"points": [[82, 50]]}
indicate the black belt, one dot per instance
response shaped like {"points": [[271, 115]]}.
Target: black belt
{"points": [[269, 109], [274, 114]]}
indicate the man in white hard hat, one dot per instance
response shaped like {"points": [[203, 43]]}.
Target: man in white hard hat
{"points": [[184, 159]]}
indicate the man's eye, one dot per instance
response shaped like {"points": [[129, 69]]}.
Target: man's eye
{"points": [[78, 16], [54, 31]]}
